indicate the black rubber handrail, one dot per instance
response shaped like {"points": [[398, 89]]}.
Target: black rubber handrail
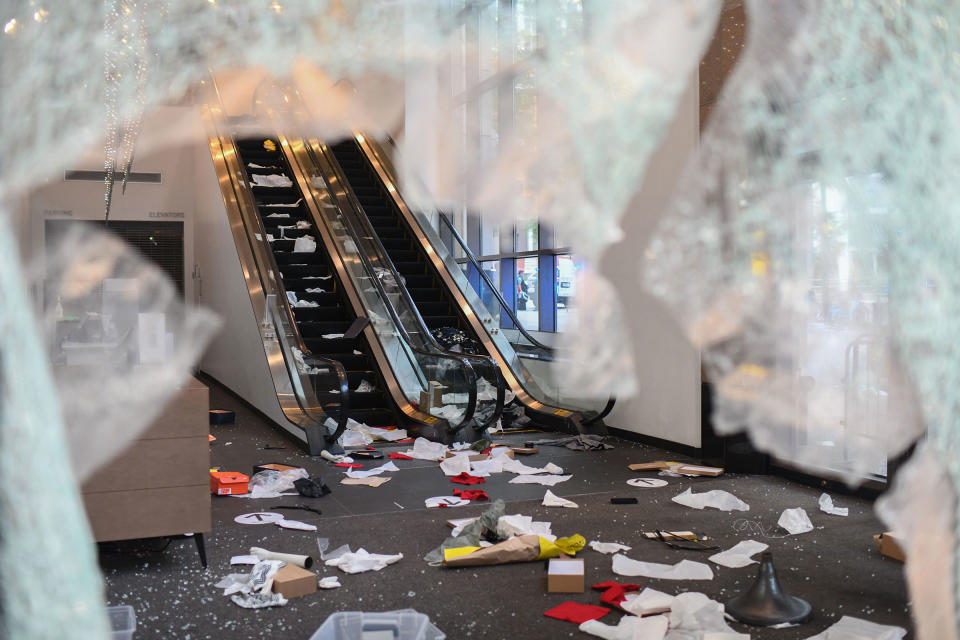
{"points": [[402, 288], [470, 374]]}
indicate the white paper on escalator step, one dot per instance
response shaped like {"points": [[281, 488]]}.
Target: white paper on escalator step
{"points": [[683, 570], [739, 555], [304, 244], [827, 506], [850, 628], [795, 521], [718, 499]]}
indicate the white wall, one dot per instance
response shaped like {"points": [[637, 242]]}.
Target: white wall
{"points": [[668, 367]]}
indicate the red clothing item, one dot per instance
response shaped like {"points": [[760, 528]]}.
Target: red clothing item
{"points": [[471, 494], [349, 465], [576, 612], [466, 478], [400, 456], [614, 593]]}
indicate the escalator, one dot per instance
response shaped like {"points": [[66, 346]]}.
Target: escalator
{"points": [[431, 277], [308, 280]]}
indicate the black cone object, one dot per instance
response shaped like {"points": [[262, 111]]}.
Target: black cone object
{"points": [[765, 603]]}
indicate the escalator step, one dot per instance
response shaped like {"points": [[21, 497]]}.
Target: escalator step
{"points": [[293, 283], [321, 328], [413, 268], [350, 361], [323, 298], [374, 417], [381, 220], [368, 400], [435, 322], [405, 256], [356, 377], [432, 309], [395, 243], [262, 193], [317, 314], [326, 346], [283, 246], [430, 294], [298, 265], [418, 280], [390, 232]]}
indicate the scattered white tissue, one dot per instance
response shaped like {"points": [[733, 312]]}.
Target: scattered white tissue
{"points": [[424, 449], [355, 438], [448, 412], [683, 570], [647, 602], [307, 277], [484, 468], [795, 521], [331, 336], [608, 547], [694, 615], [459, 525], [455, 465], [295, 524], [718, 499], [850, 628], [258, 600], [826, 505], [288, 205], [244, 560], [270, 180], [739, 555], [364, 387], [361, 560], [554, 469], [303, 224], [329, 583], [314, 290], [445, 501], [273, 484], [278, 215], [460, 446], [515, 466], [520, 525], [629, 628], [544, 480], [551, 500], [390, 435], [304, 244], [366, 473]]}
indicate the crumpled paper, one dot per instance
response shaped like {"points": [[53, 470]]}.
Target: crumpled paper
{"points": [[718, 499], [295, 524], [424, 449], [551, 500], [608, 547], [647, 602], [366, 473], [304, 244], [850, 628], [629, 628], [683, 570], [795, 521], [520, 525], [253, 590], [484, 468], [546, 480], [330, 582], [375, 481], [826, 505], [455, 465], [739, 555], [361, 560], [694, 616]]}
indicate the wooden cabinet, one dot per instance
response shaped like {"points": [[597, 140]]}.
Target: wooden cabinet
{"points": [[160, 485]]}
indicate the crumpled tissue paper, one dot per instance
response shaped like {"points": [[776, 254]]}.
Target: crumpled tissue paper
{"points": [[647, 602], [361, 560], [683, 570], [520, 525], [608, 547], [795, 521], [424, 449], [331, 582], [826, 505], [718, 499], [551, 500], [739, 555], [547, 480], [694, 615], [629, 628], [366, 473], [850, 628], [455, 465]]}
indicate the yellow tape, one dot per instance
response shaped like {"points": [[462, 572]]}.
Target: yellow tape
{"points": [[456, 552], [569, 546]]}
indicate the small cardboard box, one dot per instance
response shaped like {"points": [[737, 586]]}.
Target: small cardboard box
{"points": [[565, 576], [224, 483], [222, 416], [292, 582], [889, 546]]}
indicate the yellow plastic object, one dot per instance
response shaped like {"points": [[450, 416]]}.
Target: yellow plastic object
{"points": [[269, 145], [456, 552], [569, 546]]}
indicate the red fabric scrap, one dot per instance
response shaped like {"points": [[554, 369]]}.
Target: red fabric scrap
{"points": [[614, 593], [487, 451], [348, 465], [371, 448], [576, 612], [402, 441], [466, 478], [400, 456], [471, 494]]}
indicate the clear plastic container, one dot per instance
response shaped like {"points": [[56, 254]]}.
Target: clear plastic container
{"points": [[405, 624], [122, 621]]}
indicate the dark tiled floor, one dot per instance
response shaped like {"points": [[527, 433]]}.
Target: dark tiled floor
{"points": [[835, 567]]}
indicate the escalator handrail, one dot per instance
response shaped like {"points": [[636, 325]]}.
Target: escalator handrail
{"points": [[384, 257], [496, 290], [469, 371], [250, 216]]}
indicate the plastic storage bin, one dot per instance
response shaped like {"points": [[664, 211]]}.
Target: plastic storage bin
{"points": [[405, 624], [122, 621]]}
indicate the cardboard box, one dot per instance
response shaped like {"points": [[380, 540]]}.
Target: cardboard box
{"points": [[224, 483], [889, 546], [222, 416], [272, 466], [565, 576], [292, 582]]}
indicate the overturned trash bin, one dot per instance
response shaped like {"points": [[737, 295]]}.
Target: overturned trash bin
{"points": [[405, 624]]}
